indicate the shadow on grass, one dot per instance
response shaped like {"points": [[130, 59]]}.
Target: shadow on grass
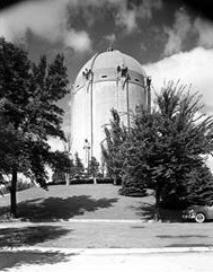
{"points": [[185, 243], [54, 208], [29, 236], [181, 236], [190, 245], [16, 259], [137, 227], [147, 211], [4, 212]]}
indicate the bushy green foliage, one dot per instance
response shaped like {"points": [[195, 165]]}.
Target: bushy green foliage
{"points": [[77, 168], [93, 167], [61, 165], [199, 189], [58, 177], [111, 151], [137, 150], [28, 113], [164, 150], [179, 135]]}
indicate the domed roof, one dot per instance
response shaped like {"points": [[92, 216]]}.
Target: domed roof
{"points": [[111, 59]]}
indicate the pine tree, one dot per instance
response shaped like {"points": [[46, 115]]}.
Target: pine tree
{"points": [[78, 168], [199, 189], [93, 167], [165, 148], [111, 151], [61, 165], [136, 153]]}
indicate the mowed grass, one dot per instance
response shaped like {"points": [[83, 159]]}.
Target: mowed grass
{"points": [[45, 209], [100, 201]]}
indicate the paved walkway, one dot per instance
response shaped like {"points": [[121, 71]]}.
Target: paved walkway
{"points": [[123, 260]]}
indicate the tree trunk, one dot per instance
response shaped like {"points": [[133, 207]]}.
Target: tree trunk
{"points": [[157, 204], [67, 179], [13, 203], [94, 180], [115, 180]]}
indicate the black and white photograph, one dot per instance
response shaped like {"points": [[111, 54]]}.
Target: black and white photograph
{"points": [[106, 135]]}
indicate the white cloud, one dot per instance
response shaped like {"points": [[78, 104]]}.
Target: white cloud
{"points": [[126, 18], [47, 19], [40, 17], [78, 40], [111, 38], [204, 29], [183, 26], [178, 33], [194, 67], [146, 8]]}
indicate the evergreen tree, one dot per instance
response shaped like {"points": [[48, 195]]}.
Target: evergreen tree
{"points": [[165, 148], [199, 189], [111, 151], [58, 177], [61, 165], [93, 167], [28, 96], [137, 150], [78, 168]]}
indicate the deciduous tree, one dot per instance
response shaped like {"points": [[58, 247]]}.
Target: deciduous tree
{"points": [[29, 94]]}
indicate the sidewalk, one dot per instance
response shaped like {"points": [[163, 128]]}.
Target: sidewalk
{"points": [[118, 260]]}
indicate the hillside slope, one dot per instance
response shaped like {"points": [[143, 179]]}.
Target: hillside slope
{"points": [[100, 201]]}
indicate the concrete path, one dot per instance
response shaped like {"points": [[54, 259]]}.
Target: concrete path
{"points": [[154, 260]]}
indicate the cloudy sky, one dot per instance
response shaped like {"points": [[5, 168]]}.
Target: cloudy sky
{"points": [[170, 39]]}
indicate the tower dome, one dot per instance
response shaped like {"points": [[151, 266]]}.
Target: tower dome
{"points": [[110, 60], [108, 80]]}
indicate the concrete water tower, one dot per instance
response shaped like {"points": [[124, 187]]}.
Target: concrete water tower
{"points": [[108, 80]]}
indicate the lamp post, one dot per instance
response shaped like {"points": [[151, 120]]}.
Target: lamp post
{"points": [[87, 154]]}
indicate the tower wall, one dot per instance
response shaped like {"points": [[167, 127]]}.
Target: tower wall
{"points": [[97, 90]]}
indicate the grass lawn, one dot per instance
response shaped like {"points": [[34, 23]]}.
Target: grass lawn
{"points": [[45, 208], [106, 235], [100, 201]]}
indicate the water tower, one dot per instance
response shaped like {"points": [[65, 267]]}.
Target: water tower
{"points": [[108, 80]]}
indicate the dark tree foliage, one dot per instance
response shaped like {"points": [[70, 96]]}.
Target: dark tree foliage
{"points": [[137, 150], [111, 151], [77, 168], [199, 189], [93, 167], [28, 113], [61, 165], [61, 161], [58, 177], [164, 150]]}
